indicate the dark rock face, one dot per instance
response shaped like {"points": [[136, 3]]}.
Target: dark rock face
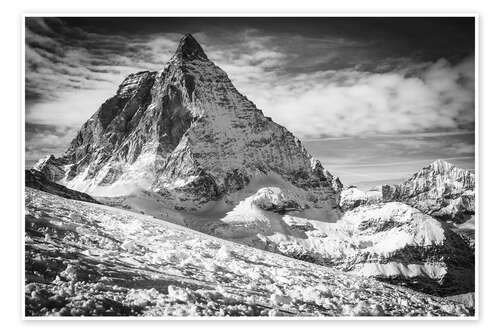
{"points": [[51, 167], [440, 189], [189, 49], [187, 132], [37, 180], [274, 200]]}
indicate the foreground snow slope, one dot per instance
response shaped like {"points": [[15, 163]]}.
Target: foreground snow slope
{"points": [[88, 259]]}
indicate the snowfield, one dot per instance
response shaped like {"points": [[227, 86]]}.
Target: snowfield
{"points": [[84, 259], [391, 241]]}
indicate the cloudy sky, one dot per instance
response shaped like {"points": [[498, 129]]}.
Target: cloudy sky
{"points": [[366, 92]]}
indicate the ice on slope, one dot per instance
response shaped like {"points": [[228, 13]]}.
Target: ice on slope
{"points": [[87, 259], [136, 177], [375, 231], [408, 226]]}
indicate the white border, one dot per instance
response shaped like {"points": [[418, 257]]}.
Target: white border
{"points": [[266, 13]]}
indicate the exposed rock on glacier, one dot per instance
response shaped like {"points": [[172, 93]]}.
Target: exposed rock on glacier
{"points": [[274, 199], [36, 179], [187, 134], [351, 198], [440, 189], [390, 241]]}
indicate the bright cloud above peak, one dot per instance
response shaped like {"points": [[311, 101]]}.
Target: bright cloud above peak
{"points": [[350, 102]]}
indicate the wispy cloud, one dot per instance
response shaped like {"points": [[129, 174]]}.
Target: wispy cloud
{"points": [[396, 135], [381, 158], [352, 103], [316, 87], [42, 140]]}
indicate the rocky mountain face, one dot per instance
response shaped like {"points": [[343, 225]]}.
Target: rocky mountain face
{"points": [[440, 189], [37, 180], [187, 134]]}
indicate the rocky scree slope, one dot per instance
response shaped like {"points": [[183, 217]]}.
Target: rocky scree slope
{"points": [[187, 134]]}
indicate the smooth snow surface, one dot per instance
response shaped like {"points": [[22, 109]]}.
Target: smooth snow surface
{"points": [[87, 259]]}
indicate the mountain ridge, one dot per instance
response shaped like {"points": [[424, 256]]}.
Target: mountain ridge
{"points": [[440, 189]]}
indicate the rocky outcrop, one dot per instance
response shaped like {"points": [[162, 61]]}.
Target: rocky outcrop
{"points": [[351, 198], [51, 167], [440, 189], [37, 180], [186, 133], [275, 200]]}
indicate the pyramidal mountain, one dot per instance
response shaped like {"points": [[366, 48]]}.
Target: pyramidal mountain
{"points": [[186, 134]]}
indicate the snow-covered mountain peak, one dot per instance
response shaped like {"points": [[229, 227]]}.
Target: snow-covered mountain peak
{"points": [[187, 134], [441, 165], [441, 168], [440, 189], [443, 175]]}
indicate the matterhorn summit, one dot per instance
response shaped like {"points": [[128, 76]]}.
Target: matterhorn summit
{"points": [[185, 133]]}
